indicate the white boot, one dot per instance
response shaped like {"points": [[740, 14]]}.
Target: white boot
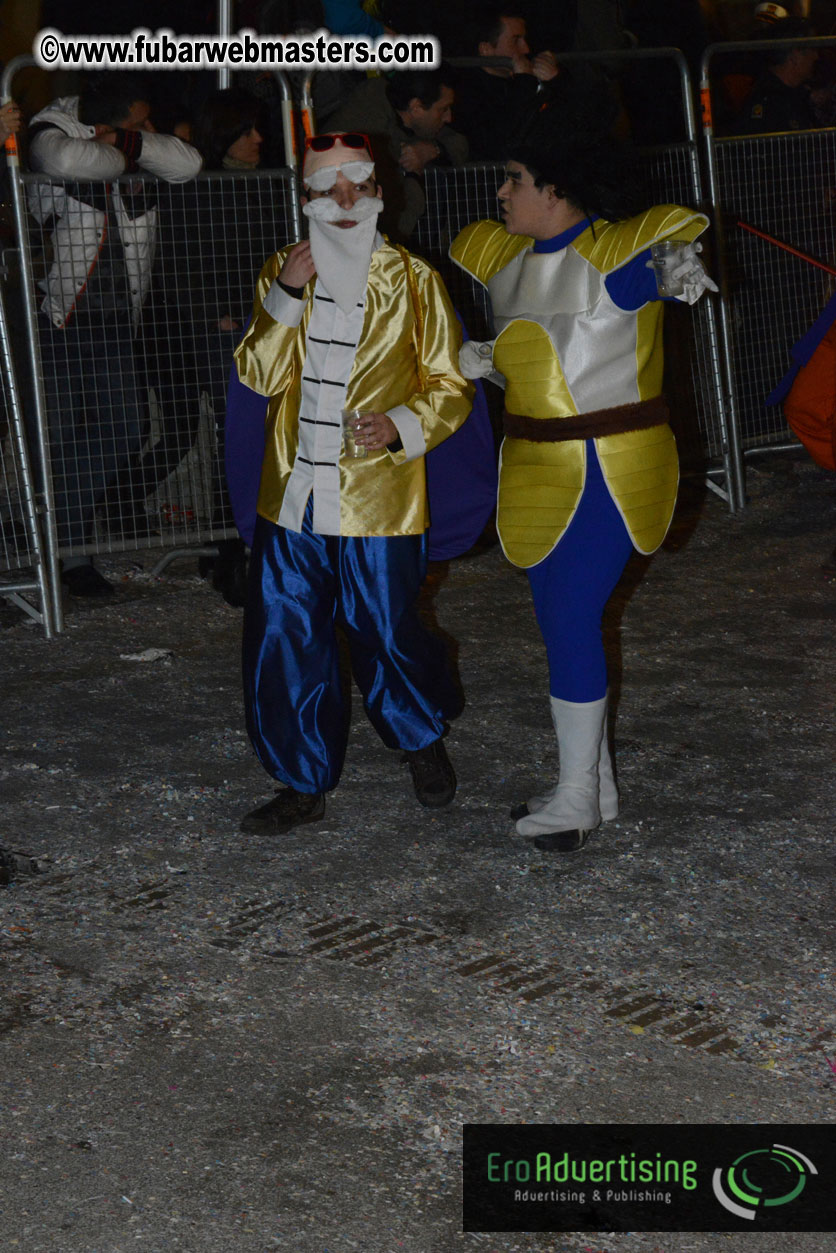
{"points": [[607, 790], [581, 741]]}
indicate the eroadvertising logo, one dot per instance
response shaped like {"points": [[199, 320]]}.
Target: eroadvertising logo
{"points": [[648, 1177], [762, 1177]]}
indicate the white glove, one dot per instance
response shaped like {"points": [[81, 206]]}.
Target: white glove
{"points": [[683, 275], [476, 359]]}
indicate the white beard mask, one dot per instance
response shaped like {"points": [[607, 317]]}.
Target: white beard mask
{"points": [[342, 255]]}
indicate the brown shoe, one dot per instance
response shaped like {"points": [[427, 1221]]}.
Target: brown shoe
{"points": [[285, 811]]}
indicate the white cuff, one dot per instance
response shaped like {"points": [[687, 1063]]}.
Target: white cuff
{"points": [[283, 307], [410, 431]]}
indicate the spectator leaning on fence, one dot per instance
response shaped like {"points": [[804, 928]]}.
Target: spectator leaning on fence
{"points": [[589, 466], [407, 117], [495, 103], [345, 321], [102, 236]]}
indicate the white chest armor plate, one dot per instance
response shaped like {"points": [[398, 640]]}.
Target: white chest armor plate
{"points": [[594, 340]]}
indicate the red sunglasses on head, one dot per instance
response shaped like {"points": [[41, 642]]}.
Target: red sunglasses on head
{"points": [[350, 139]]}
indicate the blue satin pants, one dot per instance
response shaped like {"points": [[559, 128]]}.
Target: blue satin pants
{"points": [[572, 586], [304, 585]]}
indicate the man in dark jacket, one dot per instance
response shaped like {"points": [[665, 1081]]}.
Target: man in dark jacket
{"points": [[495, 103], [779, 99]]}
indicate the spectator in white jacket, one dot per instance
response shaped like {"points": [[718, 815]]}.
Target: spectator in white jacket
{"points": [[103, 236]]}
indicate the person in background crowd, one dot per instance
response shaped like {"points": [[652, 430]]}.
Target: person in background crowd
{"points": [[495, 103], [407, 117], [103, 238], [10, 119], [348, 17], [822, 85], [737, 74], [769, 14], [217, 236], [780, 98], [345, 321], [588, 465], [226, 131]]}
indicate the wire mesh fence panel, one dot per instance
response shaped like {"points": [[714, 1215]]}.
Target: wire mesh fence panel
{"points": [[783, 185], [456, 197], [691, 336], [17, 546], [147, 287], [24, 574]]}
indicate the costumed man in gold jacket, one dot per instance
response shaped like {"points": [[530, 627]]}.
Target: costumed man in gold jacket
{"points": [[345, 321], [589, 467]]}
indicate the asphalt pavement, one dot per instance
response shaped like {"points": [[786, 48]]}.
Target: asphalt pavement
{"points": [[213, 1042]]}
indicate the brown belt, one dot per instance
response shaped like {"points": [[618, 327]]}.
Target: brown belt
{"points": [[635, 417]]}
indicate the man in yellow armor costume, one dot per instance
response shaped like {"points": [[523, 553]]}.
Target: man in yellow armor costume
{"points": [[589, 467]]}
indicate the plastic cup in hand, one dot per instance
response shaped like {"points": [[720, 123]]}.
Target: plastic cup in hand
{"points": [[351, 422], [666, 255]]}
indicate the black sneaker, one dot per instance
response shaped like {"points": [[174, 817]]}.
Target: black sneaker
{"points": [[285, 811], [229, 575], [433, 776], [86, 581], [561, 841], [228, 571]]}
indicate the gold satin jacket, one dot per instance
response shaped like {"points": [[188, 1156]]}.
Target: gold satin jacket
{"points": [[407, 355], [566, 349]]}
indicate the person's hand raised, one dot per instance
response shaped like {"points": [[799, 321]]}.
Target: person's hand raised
{"points": [[298, 268]]}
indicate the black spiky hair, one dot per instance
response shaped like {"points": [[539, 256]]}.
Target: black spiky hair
{"points": [[570, 145]]}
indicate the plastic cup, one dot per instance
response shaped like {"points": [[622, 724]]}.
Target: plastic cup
{"points": [[351, 419], [665, 256]]}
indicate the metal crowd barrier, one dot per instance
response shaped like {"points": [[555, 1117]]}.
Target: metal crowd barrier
{"points": [[131, 392], [782, 184], [124, 389], [24, 578]]}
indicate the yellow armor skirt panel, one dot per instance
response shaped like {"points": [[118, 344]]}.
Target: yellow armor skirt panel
{"points": [[540, 485]]}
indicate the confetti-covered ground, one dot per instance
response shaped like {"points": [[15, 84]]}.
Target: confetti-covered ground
{"points": [[214, 1042]]}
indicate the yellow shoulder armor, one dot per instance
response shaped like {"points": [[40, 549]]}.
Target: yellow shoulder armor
{"points": [[484, 248], [609, 245]]}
